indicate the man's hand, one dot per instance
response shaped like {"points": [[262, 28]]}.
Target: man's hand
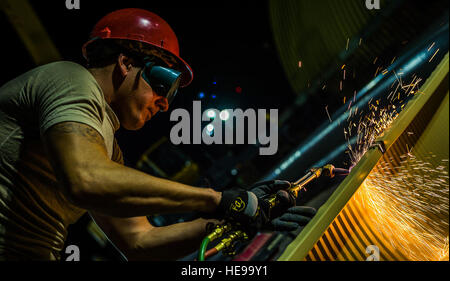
{"points": [[249, 208], [294, 218], [278, 187], [238, 205]]}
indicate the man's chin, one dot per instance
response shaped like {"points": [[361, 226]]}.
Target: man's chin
{"points": [[134, 127]]}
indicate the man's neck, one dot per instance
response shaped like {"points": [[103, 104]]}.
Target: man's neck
{"points": [[104, 79]]}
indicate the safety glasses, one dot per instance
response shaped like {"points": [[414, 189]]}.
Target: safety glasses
{"points": [[164, 81]]}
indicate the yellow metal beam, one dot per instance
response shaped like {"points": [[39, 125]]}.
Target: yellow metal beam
{"points": [[30, 30], [420, 116]]}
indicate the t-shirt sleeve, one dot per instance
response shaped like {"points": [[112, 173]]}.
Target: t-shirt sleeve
{"points": [[73, 96], [117, 155]]}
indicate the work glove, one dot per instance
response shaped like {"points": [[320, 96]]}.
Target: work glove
{"points": [[279, 187], [240, 205], [249, 208], [293, 218]]}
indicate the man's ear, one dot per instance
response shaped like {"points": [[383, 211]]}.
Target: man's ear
{"points": [[124, 64]]}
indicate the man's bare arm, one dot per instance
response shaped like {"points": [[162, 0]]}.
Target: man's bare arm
{"points": [[139, 240], [94, 182]]}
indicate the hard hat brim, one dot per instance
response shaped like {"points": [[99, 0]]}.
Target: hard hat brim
{"points": [[187, 74]]}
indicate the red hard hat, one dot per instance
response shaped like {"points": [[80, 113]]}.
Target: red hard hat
{"points": [[145, 27]]}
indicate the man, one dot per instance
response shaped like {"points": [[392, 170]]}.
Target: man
{"points": [[59, 158]]}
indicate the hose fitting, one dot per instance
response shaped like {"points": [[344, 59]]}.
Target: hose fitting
{"points": [[219, 231], [228, 244]]}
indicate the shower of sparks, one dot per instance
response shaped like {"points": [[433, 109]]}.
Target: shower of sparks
{"points": [[443, 253], [368, 128], [408, 205], [369, 124]]}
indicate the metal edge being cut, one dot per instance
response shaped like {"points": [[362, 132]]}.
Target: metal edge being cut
{"points": [[298, 249]]}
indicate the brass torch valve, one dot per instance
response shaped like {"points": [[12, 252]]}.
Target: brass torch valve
{"points": [[219, 231], [228, 244], [328, 170]]}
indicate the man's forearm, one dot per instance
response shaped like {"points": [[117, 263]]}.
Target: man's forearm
{"points": [[116, 190], [170, 242], [92, 181]]}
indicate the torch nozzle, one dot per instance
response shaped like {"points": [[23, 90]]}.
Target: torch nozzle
{"points": [[341, 171]]}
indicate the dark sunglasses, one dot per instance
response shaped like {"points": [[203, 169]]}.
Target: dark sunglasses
{"points": [[163, 80]]}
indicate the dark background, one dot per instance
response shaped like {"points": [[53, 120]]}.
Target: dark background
{"points": [[228, 44]]}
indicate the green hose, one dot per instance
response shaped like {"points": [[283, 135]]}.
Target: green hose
{"points": [[202, 250]]}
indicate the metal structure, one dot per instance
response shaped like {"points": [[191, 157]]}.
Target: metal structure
{"points": [[31, 31], [234, 232], [343, 228]]}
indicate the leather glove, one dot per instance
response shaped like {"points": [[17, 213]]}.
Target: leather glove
{"points": [[294, 218], [245, 209], [239, 205], [279, 187], [249, 207]]}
